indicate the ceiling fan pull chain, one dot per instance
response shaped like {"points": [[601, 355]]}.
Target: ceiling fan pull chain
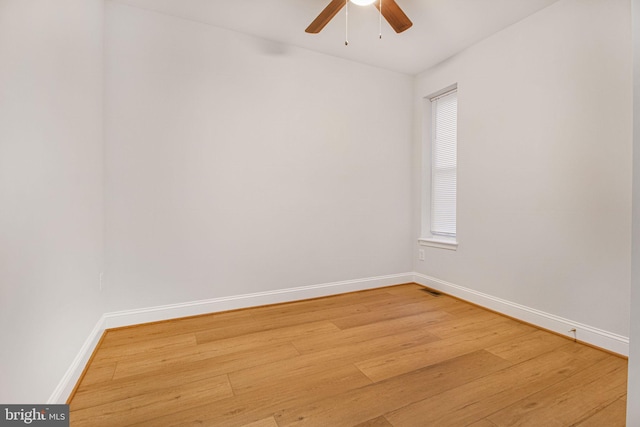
{"points": [[346, 23], [380, 19]]}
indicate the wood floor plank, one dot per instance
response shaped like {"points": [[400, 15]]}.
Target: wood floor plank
{"points": [[392, 300], [267, 376], [148, 406], [527, 346], [99, 374], [321, 342], [579, 397], [471, 322], [371, 296], [267, 422], [112, 353], [372, 401], [360, 319], [233, 322], [279, 320], [377, 422], [407, 360], [224, 362], [410, 290], [482, 423], [182, 372], [417, 293], [479, 398], [613, 415], [271, 336], [248, 407], [585, 352], [388, 300], [323, 308], [286, 376]]}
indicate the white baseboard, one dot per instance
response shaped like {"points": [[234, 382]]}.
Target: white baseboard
{"points": [[585, 333], [234, 302], [71, 377], [214, 305]]}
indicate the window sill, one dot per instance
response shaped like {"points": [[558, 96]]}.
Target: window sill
{"points": [[440, 243]]}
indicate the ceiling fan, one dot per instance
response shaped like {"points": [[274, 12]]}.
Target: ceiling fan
{"points": [[390, 10]]}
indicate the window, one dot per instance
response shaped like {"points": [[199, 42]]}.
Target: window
{"points": [[439, 226]]}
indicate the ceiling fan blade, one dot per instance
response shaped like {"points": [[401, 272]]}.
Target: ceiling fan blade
{"points": [[325, 16], [394, 15]]}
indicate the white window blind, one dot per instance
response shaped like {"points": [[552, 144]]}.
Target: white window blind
{"points": [[444, 110]]}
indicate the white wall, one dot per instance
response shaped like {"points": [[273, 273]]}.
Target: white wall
{"points": [[236, 166], [50, 189], [544, 185]]}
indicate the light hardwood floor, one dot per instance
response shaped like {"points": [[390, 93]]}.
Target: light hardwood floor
{"points": [[395, 356]]}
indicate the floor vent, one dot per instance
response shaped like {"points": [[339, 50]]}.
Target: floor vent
{"points": [[431, 292]]}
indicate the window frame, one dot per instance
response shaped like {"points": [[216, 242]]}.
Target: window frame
{"points": [[427, 237]]}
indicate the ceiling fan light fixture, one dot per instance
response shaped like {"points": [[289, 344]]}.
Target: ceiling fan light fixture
{"points": [[363, 2]]}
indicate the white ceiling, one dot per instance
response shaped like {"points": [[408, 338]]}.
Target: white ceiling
{"points": [[441, 28]]}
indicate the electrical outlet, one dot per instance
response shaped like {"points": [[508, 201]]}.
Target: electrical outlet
{"points": [[421, 254]]}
